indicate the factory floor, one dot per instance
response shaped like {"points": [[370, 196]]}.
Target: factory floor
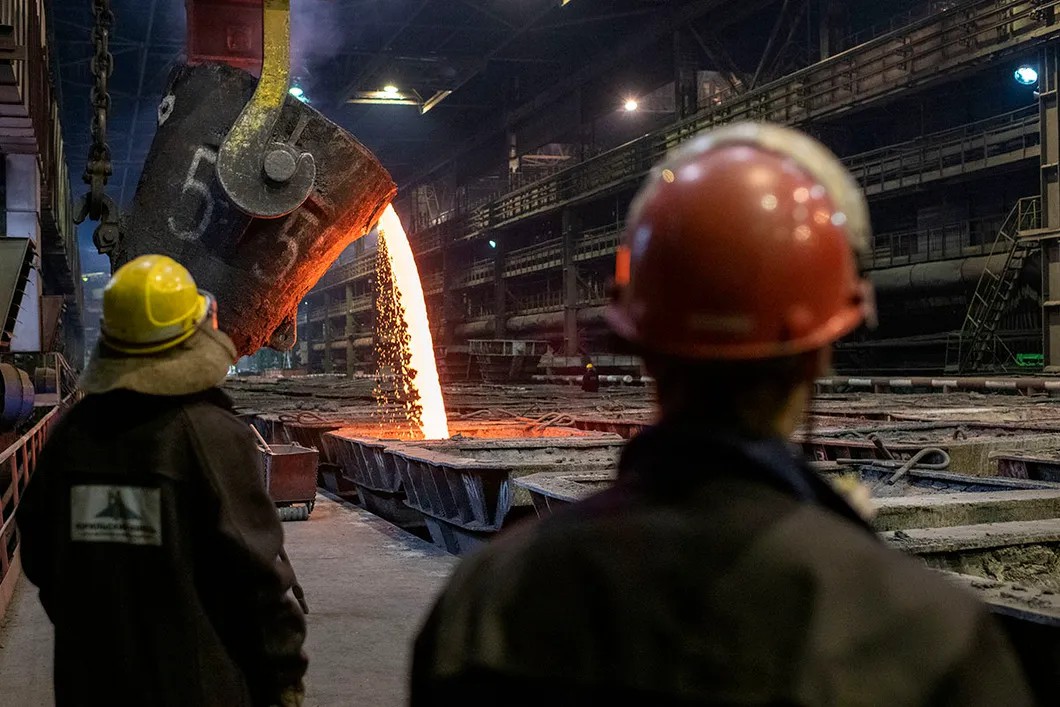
{"points": [[367, 583]]}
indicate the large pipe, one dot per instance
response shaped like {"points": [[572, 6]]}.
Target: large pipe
{"points": [[936, 275], [536, 323], [608, 380]]}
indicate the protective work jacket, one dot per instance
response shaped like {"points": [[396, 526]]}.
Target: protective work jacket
{"points": [[715, 572], [149, 532]]}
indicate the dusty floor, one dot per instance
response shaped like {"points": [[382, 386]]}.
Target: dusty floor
{"points": [[368, 585]]}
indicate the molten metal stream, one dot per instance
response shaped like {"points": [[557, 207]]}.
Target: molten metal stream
{"points": [[407, 282]]}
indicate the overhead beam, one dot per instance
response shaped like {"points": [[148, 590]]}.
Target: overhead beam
{"points": [[478, 7], [660, 28], [443, 58], [477, 68], [773, 35], [718, 56], [582, 21], [378, 62]]}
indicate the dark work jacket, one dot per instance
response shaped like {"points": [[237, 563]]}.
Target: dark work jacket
{"points": [[186, 603], [715, 572]]}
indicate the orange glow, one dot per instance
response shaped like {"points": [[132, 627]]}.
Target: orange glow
{"points": [[435, 424], [622, 265]]}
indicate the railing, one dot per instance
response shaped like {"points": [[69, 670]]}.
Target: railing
{"points": [[427, 242], [538, 302], [18, 462], [894, 23], [998, 140], [599, 242], [540, 256], [361, 266], [920, 53], [479, 272], [977, 341], [965, 238]]}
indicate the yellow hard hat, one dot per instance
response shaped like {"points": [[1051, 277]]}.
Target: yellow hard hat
{"points": [[152, 304]]}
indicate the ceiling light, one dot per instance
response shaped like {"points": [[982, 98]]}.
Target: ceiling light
{"points": [[390, 89], [631, 105], [1026, 75]]}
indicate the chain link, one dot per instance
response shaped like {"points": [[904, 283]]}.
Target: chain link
{"points": [[99, 168]]}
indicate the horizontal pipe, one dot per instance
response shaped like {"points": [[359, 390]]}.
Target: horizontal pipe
{"points": [[609, 380], [934, 275], [944, 384], [524, 323]]}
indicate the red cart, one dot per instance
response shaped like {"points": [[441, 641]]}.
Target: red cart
{"points": [[290, 477]]}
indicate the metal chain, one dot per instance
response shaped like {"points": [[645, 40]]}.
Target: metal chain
{"points": [[99, 168]]}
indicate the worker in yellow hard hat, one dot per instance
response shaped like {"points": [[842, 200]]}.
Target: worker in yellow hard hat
{"points": [[159, 333], [147, 526], [590, 378]]}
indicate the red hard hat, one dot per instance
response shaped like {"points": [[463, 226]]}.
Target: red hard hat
{"points": [[743, 245]]}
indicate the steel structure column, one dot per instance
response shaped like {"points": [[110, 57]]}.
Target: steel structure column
{"points": [[328, 367], [445, 323], [686, 85], [500, 294], [349, 329], [1049, 71], [571, 234]]}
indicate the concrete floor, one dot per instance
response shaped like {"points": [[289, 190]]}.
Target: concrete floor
{"points": [[368, 585]]}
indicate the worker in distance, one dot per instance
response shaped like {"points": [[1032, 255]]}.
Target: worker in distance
{"points": [[719, 569], [147, 527]]}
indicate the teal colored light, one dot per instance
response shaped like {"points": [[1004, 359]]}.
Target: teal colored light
{"points": [[493, 244], [1026, 75], [298, 93]]}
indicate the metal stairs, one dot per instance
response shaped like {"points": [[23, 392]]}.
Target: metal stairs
{"points": [[977, 346]]}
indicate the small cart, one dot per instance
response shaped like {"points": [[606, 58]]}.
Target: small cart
{"points": [[291, 478]]}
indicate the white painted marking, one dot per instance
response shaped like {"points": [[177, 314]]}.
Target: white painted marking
{"points": [[290, 246], [194, 185], [130, 515]]}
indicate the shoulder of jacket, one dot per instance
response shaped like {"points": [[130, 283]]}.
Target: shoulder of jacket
{"points": [[869, 594], [818, 538], [207, 419]]}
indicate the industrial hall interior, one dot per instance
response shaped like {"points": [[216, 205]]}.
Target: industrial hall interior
{"points": [[529, 352]]}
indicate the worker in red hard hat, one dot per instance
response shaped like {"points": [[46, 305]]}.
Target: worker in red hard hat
{"points": [[719, 570]]}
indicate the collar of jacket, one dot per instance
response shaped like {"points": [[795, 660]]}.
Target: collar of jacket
{"points": [[673, 456], [123, 397]]}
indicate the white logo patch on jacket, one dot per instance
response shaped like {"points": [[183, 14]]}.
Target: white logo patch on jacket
{"points": [[131, 515]]}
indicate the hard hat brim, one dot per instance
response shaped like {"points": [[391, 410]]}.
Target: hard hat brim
{"points": [[197, 364]]}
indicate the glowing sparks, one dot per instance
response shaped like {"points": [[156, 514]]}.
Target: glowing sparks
{"points": [[434, 422]]}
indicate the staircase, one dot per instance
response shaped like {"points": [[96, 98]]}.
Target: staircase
{"points": [[977, 345]]}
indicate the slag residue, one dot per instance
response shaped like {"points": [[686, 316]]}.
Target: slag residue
{"points": [[408, 374]]}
